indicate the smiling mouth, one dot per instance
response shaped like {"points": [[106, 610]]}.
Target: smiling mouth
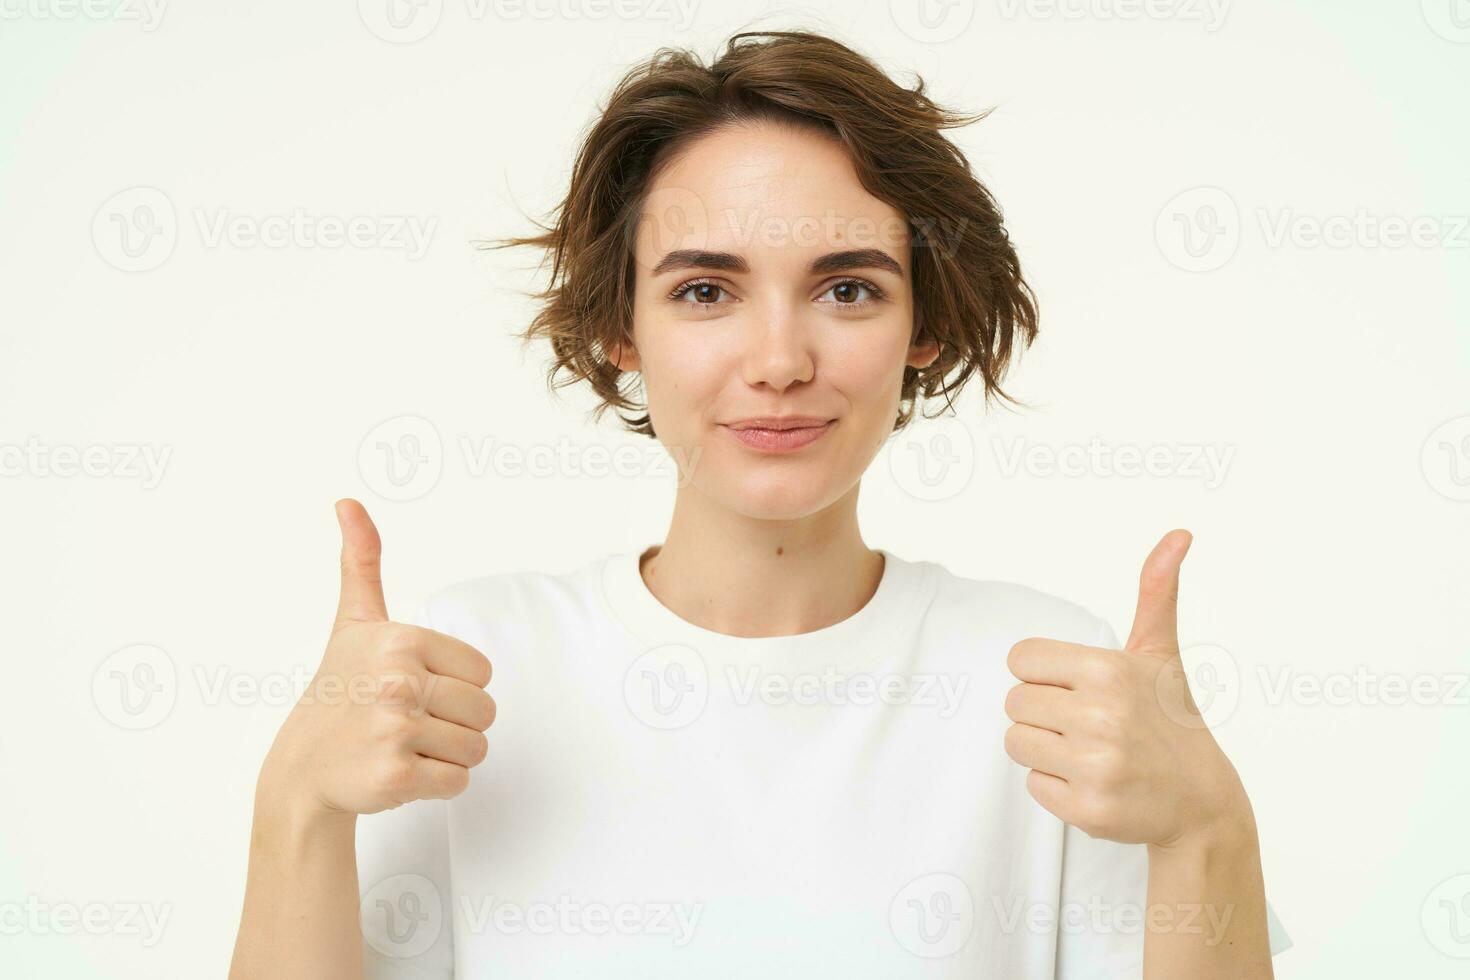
{"points": [[779, 435]]}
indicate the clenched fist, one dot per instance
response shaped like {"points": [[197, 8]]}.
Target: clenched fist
{"points": [[394, 713], [1113, 738]]}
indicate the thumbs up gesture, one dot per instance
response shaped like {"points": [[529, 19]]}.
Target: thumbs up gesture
{"points": [[394, 713], [1105, 732]]}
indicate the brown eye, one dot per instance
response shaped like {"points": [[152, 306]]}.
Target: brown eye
{"points": [[697, 292], [848, 293]]}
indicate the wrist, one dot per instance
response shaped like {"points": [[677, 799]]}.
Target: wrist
{"points": [[287, 809], [1229, 833], [298, 833]]}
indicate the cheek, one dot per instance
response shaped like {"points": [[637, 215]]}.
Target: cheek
{"points": [[681, 377], [869, 370]]}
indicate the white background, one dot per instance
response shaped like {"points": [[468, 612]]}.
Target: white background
{"points": [[1332, 546]]}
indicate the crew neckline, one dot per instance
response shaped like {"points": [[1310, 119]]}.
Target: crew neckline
{"points": [[890, 611]]}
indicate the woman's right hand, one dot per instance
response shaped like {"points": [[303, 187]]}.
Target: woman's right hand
{"points": [[394, 713]]}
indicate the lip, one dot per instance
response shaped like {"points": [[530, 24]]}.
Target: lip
{"points": [[779, 434], [779, 422]]}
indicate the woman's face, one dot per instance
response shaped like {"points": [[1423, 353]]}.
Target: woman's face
{"points": [[770, 284]]}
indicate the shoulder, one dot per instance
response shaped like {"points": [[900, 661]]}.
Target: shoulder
{"points": [[516, 600], [1008, 609]]}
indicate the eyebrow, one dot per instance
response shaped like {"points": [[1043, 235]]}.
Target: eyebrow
{"points": [[859, 258]]}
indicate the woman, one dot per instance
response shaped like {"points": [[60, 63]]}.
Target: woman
{"points": [[761, 748]]}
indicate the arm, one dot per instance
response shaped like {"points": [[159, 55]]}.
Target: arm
{"points": [[395, 713], [1117, 748], [300, 915], [1211, 898]]}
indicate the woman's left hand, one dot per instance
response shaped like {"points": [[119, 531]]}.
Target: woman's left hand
{"points": [[1113, 738]]}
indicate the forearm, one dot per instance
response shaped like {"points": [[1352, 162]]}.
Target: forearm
{"points": [[1208, 899], [300, 918]]}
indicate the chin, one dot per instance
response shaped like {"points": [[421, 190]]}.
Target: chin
{"points": [[775, 497]]}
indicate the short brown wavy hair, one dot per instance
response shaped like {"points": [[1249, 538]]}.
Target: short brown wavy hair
{"points": [[969, 294]]}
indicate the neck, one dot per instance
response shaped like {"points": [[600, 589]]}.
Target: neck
{"points": [[749, 577]]}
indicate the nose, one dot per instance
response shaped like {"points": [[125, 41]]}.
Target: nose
{"points": [[778, 351]]}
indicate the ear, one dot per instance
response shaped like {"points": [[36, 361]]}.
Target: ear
{"points": [[923, 353], [623, 357]]}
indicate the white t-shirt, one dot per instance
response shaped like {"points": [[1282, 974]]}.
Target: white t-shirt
{"points": [[660, 800]]}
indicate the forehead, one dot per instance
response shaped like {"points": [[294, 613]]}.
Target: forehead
{"points": [[756, 188]]}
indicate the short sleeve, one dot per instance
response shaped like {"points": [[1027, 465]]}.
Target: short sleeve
{"points": [[403, 880], [1101, 875]]}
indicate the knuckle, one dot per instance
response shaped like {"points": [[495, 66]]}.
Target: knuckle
{"points": [[396, 660], [1108, 674], [396, 777], [1095, 815], [399, 640], [394, 727], [1101, 721], [1108, 764]]}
